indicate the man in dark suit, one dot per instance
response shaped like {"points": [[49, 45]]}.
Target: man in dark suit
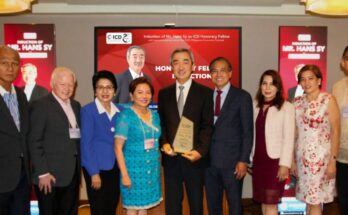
{"points": [[193, 101], [14, 123], [31, 89], [54, 146], [136, 62], [231, 141]]}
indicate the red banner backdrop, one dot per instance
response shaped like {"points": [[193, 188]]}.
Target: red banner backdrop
{"points": [[299, 45], [111, 45], [36, 45]]}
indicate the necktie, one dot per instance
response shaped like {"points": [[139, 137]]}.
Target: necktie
{"points": [[181, 100], [217, 103], [12, 105]]}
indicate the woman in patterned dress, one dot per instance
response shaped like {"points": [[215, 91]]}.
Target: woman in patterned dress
{"points": [[318, 132], [137, 153]]}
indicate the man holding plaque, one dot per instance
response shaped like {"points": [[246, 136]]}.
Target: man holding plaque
{"points": [[186, 112], [231, 141]]}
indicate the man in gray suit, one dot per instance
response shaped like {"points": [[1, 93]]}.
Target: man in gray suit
{"points": [[54, 141], [231, 141], [136, 62], [14, 123]]}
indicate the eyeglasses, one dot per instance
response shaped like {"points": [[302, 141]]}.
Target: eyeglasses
{"points": [[108, 88]]}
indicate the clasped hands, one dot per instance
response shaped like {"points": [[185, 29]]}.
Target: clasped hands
{"points": [[192, 155]]}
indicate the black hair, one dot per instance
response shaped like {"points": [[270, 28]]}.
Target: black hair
{"points": [[141, 80], [104, 74]]}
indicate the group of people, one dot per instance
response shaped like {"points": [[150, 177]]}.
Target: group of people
{"points": [[39, 144], [306, 138], [119, 144]]}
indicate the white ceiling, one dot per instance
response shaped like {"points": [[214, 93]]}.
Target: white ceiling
{"points": [[237, 7]]}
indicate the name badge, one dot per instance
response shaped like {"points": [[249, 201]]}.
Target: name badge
{"points": [[345, 112], [74, 133], [149, 144]]}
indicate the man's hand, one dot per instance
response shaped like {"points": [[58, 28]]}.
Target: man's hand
{"points": [[45, 183], [167, 149], [240, 170], [192, 155]]}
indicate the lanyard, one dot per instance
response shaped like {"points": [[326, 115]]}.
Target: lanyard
{"points": [[142, 126]]}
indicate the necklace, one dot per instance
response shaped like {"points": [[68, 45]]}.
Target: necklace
{"points": [[144, 115]]}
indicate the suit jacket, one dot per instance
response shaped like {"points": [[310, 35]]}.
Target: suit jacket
{"points": [[232, 138], [198, 108], [37, 93], [123, 80], [279, 132], [97, 139], [291, 93], [13, 143], [51, 149]]}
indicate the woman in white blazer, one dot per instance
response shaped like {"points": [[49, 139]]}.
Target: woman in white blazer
{"points": [[274, 120]]}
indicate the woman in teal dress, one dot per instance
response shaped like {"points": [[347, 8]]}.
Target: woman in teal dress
{"points": [[137, 151]]}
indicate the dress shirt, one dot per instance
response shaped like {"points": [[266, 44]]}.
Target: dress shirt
{"points": [[28, 90], [185, 91], [134, 74], [340, 91], [67, 110], [223, 95], [102, 110], [3, 91], [299, 91], [14, 104]]}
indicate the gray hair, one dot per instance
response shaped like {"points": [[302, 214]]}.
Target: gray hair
{"points": [[58, 70], [130, 48], [179, 50]]}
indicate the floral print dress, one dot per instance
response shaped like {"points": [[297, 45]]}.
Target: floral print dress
{"points": [[313, 148]]}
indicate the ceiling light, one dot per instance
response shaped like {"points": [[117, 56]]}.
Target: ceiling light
{"points": [[14, 6], [327, 7]]}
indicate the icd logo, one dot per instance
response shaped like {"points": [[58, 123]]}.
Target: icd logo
{"points": [[119, 38]]}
